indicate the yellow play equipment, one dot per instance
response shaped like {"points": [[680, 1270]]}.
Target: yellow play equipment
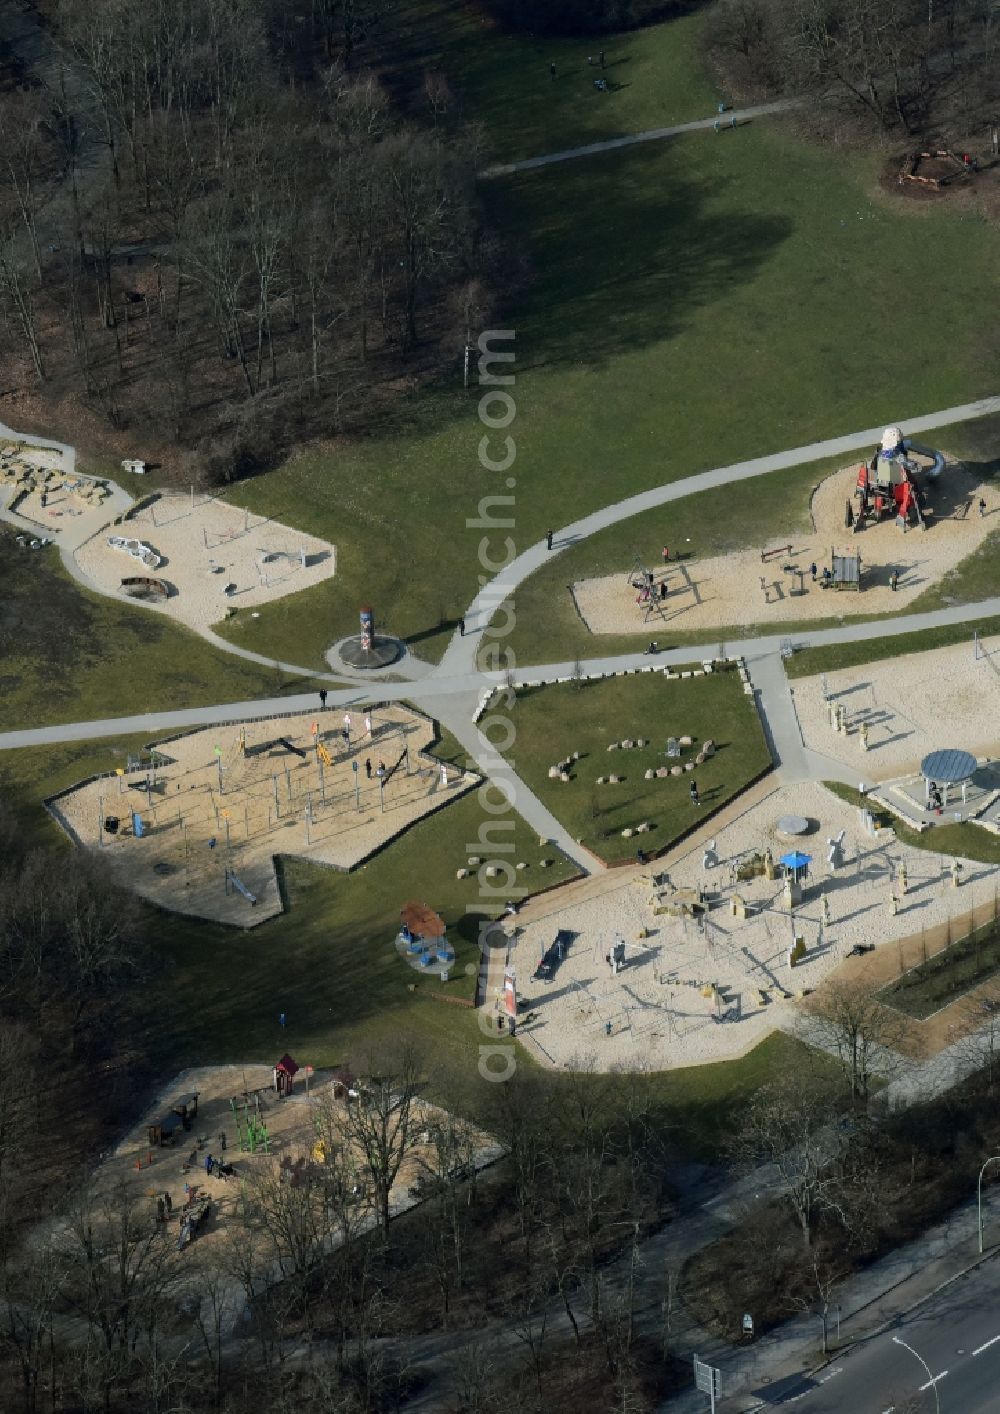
{"points": [[323, 754]]}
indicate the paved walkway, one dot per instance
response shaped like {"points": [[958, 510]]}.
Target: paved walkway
{"points": [[612, 144]]}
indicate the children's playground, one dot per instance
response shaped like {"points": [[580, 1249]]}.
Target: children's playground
{"points": [[194, 824], [884, 718], [193, 1156], [200, 557], [44, 499], [699, 961], [884, 531]]}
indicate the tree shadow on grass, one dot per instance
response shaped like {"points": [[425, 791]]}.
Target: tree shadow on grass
{"points": [[625, 248]]}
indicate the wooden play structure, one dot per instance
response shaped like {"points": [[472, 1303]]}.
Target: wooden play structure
{"points": [[846, 569], [284, 1075], [141, 586], [935, 169], [180, 1116]]}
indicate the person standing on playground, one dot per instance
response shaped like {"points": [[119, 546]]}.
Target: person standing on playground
{"points": [[368, 725], [347, 727], [548, 539], [813, 571], [665, 554], [368, 768], [322, 697], [894, 580], [982, 507]]}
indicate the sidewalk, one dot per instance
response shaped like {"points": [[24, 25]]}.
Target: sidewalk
{"points": [[868, 1302]]}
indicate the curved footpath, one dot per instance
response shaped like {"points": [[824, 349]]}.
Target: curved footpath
{"points": [[451, 690]]}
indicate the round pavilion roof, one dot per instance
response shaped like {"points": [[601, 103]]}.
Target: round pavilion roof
{"points": [[948, 767]]}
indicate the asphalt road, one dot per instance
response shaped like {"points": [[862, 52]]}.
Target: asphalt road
{"points": [[956, 1333]]}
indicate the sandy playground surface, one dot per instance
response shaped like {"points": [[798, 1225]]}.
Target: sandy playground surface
{"points": [[658, 1012], [74, 504], [291, 1139], [273, 801], [911, 705], [213, 556], [738, 589]]}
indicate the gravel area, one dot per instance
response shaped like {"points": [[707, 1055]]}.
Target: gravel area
{"points": [[654, 1013], [262, 810], [206, 547], [911, 705], [738, 589]]}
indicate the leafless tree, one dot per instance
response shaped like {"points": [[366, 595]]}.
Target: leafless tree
{"points": [[848, 1020], [790, 1124]]}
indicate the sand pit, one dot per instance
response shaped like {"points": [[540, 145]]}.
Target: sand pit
{"points": [[738, 589], [911, 705], [213, 556], [659, 1010], [273, 800], [291, 1139]]}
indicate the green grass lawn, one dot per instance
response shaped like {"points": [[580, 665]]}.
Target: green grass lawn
{"points": [[501, 80], [328, 963], [67, 654], [554, 721], [687, 311], [806, 662]]}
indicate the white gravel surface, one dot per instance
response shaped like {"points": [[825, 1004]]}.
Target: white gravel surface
{"points": [[204, 546], [657, 1014], [912, 705]]}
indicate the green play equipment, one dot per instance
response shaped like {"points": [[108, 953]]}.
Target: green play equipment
{"points": [[250, 1126]]}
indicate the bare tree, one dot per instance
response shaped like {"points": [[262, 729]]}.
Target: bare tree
{"points": [[848, 1020], [380, 1126], [790, 1125]]}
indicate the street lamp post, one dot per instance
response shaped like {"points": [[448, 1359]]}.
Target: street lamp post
{"points": [[993, 1159], [930, 1378]]}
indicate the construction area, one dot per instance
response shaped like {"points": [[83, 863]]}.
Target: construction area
{"points": [[216, 1132], [663, 968], [888, 561], [195, 823], [201, 557]]}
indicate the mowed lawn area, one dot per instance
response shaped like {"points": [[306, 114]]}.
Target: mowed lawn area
{"points": [[654, 76], [554, 721], [67, 654], [688, 309]]}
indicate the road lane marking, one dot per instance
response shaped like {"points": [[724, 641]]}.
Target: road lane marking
{"points": [[931, 1383], [987, 1345]]}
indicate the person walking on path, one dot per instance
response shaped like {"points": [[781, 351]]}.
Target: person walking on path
{"points": [[695, 797], [982, 507], [322, 697], [548, 539], [461, 628]]}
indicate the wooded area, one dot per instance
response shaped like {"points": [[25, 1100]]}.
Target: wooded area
{"points": [[214, 220], [900, 65]]}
